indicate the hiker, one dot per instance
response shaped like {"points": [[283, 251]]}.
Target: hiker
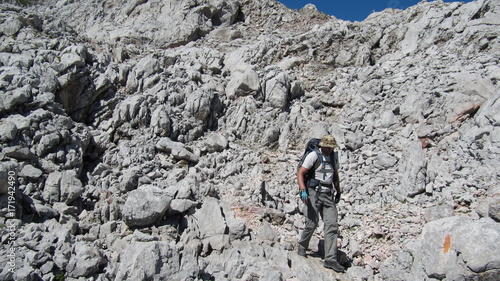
{"points": [[316, 191]]}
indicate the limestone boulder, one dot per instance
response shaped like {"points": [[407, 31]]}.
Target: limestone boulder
{"points": [[176, 149], [145, 205], [86, 261], [243, 84], [62, 187]]}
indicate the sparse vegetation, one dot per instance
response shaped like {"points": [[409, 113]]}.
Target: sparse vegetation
{"points": [[60, 276]]}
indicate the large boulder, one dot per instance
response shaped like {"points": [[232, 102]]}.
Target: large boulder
{"points": [[243, 83], [86, 260], [62, 186], [146, 205], [449, 244], [160, 121], [13, 98], [216, 143], [199, 104], [129, 110], [453, 248], [277, 91], [210, 219]]}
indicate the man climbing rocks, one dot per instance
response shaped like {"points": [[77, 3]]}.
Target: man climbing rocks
{"points": [[317, 176]]}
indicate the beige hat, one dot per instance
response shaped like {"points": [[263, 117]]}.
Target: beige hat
{"points": [[328, 141]]}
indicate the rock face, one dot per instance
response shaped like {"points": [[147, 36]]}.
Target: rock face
{"points": [[145, 140], [446, 245]]}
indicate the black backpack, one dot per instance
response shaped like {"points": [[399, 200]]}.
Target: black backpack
{"points": [[313, 146]]}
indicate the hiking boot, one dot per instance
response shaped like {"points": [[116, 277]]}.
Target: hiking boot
{"points": [[334, 265], [301, 251]]}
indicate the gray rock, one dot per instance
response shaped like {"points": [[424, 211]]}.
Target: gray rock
{"points": [[11, 26], [384, 161], [47, 267], [161, 122], [64, 209], [62, 254], [478, 245], [85, 261], [354, 248], [359, 273], [128, 110], [181, 206], [14, 98], [494, 208], [237, 226], [159, 260], [130, 179], [30, 172], [52, 191], [296, 89], [409, 94], [47, 143], [387, 119], [8, 131], [146, 67], [26, 273], [176, 149], [199, 104], [107, 229], [266, 233], [412, 169], [218, 242], [277, 91], [243, 84], [353, 141], [474, 240], [45, 211], [490, 109], [145, 206], [20, 153], [216, 143], [71, 60], [209, 218], [197, 20], [271, 135], [183, 188], [70, 187], [438, 212], [272, 275], [398, 266]]}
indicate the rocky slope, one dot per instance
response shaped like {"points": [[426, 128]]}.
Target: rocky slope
{"points": [[159, 139]]}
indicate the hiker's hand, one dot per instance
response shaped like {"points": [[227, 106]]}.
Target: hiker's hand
{"points": [[303, 196], [337, 197]]}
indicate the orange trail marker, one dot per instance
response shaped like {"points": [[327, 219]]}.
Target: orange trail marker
{"points": [[447, 244]]}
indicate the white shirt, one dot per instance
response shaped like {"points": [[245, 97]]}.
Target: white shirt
{"points": [[323, 173]]}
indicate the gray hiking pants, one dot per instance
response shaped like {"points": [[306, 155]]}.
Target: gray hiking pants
{"points": [[325, 206]]}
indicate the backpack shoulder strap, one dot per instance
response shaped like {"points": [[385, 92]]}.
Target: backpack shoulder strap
{"points": [[318, 162], [334, 158]]}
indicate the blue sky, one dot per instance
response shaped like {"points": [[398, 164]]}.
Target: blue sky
{"points": [[353, 10]]}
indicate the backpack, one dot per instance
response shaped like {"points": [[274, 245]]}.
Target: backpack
{"points": [[313, 146]]}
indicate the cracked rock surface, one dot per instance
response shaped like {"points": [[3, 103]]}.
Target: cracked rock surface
{"points": [[159, 139]]}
